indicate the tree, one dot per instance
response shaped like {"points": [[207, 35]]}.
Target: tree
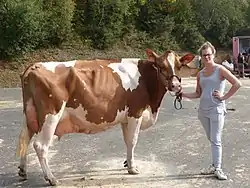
{"points": [[102, 21], [185, 30], [219, 20], [20, 30]]}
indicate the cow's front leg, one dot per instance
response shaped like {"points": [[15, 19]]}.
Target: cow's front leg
{"points": [[130, 137], [125, 137]]}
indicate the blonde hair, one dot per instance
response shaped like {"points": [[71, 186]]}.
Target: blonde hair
{"points": [[206, 45]]}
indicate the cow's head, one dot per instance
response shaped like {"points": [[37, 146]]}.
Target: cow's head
{"points": [[169, 65]]}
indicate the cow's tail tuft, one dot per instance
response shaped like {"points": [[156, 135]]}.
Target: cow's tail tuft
{"points": [[23, 141]]}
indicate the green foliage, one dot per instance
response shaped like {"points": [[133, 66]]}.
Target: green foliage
{"points": [[27, 25], [154, 19], [218, 21], [186, 30], [19, 27], [58, 15], [142, 40], [102, 21]]}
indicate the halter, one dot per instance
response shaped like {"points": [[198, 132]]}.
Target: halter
{"points": [[169, 79]]}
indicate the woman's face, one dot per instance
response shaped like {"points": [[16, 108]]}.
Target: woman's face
{"points": [[207, 55]]}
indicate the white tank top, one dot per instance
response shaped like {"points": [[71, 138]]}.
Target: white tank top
{"points": [[209, 103]]}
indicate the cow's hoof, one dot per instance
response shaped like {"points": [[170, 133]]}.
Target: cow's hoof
{"points": [[133, 171], [125, 163], [22, 173], [52, 181]]}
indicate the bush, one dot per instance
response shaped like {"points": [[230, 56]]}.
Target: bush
{"points": [[101, 21], [57, 21], [19, 27], [154, 19], [28, 24]]}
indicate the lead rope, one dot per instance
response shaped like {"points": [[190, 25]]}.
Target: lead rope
{"points": [[178, 98]]}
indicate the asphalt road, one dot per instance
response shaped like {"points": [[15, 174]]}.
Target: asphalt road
{"points": [[169, 154]]}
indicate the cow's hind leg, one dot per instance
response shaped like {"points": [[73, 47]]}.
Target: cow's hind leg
{"points": [[130, 133], [24, 140], [43, 141]]}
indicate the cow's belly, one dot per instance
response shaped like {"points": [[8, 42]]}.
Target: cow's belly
{"points": [[74, 120], [148, 118]]}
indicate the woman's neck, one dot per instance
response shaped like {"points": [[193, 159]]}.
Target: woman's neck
{"points": [[209, 66]]}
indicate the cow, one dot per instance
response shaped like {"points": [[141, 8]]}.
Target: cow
{"points": [[90, 96]]}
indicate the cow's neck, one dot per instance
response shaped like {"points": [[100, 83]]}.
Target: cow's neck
{"points": [[155, 88]]}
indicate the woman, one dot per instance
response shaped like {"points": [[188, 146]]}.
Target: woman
{"points": [[210, 88]]}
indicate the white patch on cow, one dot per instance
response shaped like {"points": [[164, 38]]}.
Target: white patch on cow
{"points": [[49, 126], [171, 60], [1, 141], [101, 66], [127, 69], [45, 138], [51, 66], [54, 140], [81, 114], [33, 161], [84, 83], [148, 118], [134, 125]]}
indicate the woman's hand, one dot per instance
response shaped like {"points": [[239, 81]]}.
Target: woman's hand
{"points": [[218, 95]]}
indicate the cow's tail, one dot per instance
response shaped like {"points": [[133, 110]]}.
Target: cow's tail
{"points": [[23, 141], [25, 135]]}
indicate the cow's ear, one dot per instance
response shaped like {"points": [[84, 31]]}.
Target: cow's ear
{"points": [[151, 55], [187, 58]]}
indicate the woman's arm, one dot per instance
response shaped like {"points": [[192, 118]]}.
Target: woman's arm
{"points": [[236, 84], [197, 92]]}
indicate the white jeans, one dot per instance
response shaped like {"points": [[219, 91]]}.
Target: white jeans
{"points": [[213, 126]]}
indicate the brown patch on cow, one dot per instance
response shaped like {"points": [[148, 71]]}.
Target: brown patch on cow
{"points": [[151, 89], [45, 89], [99, 99]]}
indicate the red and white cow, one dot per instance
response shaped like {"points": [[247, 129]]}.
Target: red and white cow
{"points": [[90, 96]]}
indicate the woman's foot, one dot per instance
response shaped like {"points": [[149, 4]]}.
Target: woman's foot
{"points": [[220, 174], [209, 170]]}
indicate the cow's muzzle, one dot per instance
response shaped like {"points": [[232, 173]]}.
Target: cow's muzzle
{"points": [[174, 84]]}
